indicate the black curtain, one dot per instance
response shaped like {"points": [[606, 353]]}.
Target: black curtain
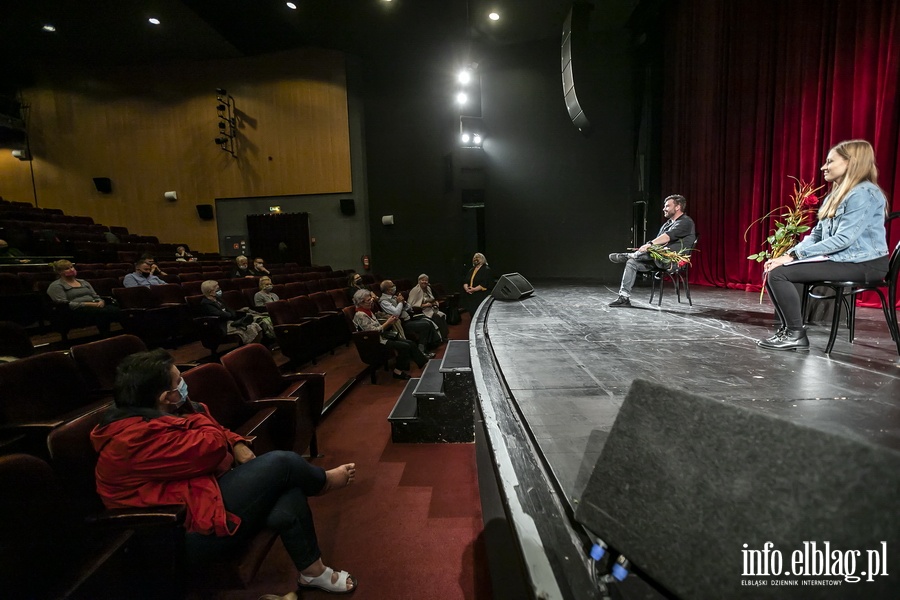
{"points": [[280, 237]]}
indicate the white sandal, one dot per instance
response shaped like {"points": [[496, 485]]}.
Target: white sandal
{"points": [[323, 582]]}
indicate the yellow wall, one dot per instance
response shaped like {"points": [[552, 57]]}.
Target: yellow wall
{"points": [[151, 130]]}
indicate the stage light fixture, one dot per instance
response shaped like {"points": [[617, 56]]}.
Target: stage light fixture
{"points": [[464, 77], [221, 140], [153, 21], [24, 155], [49, 28], [222, 91], [222, 125], [227, 122], [291, 5], [465, 138], [461, 98], [494, 16], [476, 139]]}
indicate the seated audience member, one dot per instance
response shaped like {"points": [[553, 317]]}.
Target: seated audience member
{"points": [[422, 297], [7, 252], [425, 330], [232, 322], [241, 269], [355, 283], [157, 447], [677, 233], [80, 296], [182, 255], [154, 268], [265, 293], [365, 320], [259, 267], [143, 275]]}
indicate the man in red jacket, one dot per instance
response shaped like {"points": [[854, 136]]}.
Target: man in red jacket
{"points": [[157, 447]]}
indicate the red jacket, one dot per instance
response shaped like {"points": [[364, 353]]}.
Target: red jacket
{"points": [[167, 459]]}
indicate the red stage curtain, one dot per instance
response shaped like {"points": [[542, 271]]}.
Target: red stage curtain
{"points": [[758, 91]]}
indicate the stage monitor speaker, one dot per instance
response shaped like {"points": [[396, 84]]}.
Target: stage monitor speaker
{"points": [[512, 286], [348, 207], [205, 212], [704, 496], [103, 185]]}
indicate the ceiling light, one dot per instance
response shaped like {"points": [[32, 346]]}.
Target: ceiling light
{"points": [[291, 5], [464, 77], [465, 138], [494, 16], [476, 139], [461, 98], [153, 20], [49, 28]]}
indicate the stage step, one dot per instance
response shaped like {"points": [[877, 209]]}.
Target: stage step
{"points": [[438, 407]]}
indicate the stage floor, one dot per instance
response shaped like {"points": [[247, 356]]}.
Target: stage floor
{"points": [[568, 360]]}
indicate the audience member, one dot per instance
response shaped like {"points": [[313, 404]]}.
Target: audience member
{"points": [[241, 269], [157, 447], [847, 243], [478, 280], [259, 267], [80, 297], [10, 253], [422, 297], [232, 322], [391, 334], [182, 255], [264, 294], [154, 268], [423, 329], [143, 275], [354, 283]]}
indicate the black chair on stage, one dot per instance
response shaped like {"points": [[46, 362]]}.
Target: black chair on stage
{"points": [[844, 295], [678, 275]]}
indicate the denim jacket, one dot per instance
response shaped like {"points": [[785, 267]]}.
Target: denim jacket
{"points": [[855, 233]]}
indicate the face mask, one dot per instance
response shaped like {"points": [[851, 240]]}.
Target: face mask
{"points": [[268, 288], [394, 290], [218, 293], [183, 392], [70, 273], [259, 266]]}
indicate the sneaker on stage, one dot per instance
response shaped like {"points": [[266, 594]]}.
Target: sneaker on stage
{"points": [[619, 257], [621, 301]]}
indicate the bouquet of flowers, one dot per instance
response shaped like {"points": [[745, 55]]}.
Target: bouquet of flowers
{"points": [[792, 222], [668, 258]]}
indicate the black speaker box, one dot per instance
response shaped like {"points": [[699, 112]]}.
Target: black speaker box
{"points": [[716, 500], [205, 212], [512, 286], [348, 207], [103, 185], [575, 56]]}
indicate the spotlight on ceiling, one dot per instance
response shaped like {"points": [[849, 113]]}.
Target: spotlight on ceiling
{"points": [[465, 138], [291, 5], [462, 98], [464, 76], [476, 139], [49, 28], [153, 21], [494, 16]]}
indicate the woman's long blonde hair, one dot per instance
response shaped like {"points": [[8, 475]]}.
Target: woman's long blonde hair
{"points": [[861, 158]]}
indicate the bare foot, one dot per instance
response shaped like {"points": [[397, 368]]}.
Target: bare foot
{"points": [[339, 477]]}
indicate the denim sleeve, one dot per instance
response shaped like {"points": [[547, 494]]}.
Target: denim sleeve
{"points": [[849, 224]]}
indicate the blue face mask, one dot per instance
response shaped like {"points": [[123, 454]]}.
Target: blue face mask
{"points": [[183, 392], [218, 293]]}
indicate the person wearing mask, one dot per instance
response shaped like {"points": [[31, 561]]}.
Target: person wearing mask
{"points": [[365, 320], [156, 447], [182, 254], [241, 268], [79, 296], [259, 267], [422, 329], [231, 322], [422, 297], [264, 294], [143, 275], [154, 268]]}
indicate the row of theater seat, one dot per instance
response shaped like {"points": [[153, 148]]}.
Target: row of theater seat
{"points": [[47, 462]]}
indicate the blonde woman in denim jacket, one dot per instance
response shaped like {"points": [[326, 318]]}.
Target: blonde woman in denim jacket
{"points": [[848, 243]]}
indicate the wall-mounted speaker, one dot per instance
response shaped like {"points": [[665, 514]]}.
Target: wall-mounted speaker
{"points": [[205, 212], [512, 286], [103, 185], [348, 207], [699, 493], [574, 59]]}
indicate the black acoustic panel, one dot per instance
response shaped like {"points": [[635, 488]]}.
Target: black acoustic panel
{"points": [[348, 207], [684, 482], [512, 286], [103, 185], [205, 212]]}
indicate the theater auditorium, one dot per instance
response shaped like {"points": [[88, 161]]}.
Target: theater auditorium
{"points": [[465, 299]]}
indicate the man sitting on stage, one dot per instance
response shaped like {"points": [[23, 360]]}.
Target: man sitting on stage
{"points": [[676, 233]]}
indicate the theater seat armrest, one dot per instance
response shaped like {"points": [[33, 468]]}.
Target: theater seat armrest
{"points": [[250, 428], [274, 403], [303, 376], [132, 518]]}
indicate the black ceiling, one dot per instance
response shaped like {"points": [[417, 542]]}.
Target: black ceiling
{"points": [[117, 32]]}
